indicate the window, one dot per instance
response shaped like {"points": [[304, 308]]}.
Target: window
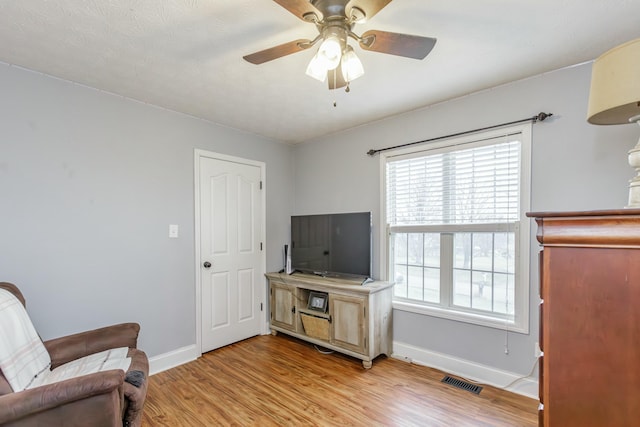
{"points": [[456, 240]]}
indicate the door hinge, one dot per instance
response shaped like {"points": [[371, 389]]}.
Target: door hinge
{"points": [[260, 245], [260, 306], [261, 185]]}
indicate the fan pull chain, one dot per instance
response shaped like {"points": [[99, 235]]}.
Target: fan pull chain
{"points": [[334, 75], [335, 104]]}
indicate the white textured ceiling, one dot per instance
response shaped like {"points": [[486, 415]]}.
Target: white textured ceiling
{"points": [[186, 55]]}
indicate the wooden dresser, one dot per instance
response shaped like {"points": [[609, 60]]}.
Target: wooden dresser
{"points": [[589, 318]]}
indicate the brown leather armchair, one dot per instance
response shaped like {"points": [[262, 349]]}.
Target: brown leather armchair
{"points": [[99, 399]]}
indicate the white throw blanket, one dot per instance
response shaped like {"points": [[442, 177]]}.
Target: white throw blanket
{"points": [[103, 361], [22, 355], [24, 360]]}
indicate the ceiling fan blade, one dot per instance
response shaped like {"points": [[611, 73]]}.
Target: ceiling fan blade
{"points": [[369, 7], [278, 51], [335, 78], [406, 45], [303, 9]]}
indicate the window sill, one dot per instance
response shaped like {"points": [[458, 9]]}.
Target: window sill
{"points": [[461, 316]]}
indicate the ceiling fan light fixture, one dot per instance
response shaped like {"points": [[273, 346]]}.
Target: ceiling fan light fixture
{"points": [[334, 20], [351, 65], [317, 68], [331, 51]]}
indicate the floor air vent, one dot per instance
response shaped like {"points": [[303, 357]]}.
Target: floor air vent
{"points": [[462, 384]]}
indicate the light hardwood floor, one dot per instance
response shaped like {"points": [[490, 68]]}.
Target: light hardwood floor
{"points": [[280, 381]]}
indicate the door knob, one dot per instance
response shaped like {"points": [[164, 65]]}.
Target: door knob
{"points": [[207, 264]]}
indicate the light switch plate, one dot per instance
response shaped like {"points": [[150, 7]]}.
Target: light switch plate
{"points": [[173, 231]]}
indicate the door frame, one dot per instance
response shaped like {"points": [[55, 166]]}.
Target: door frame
{"points": [[199, 154]]}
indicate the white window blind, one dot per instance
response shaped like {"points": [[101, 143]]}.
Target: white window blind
{"points": [[468, 186]]}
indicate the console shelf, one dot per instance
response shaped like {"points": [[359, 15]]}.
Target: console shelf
{"points": [[358, 320]]}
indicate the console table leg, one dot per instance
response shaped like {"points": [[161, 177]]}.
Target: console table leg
{"points": [[274, 332], [367, 364]]}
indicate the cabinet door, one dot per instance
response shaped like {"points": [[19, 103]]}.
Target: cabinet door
{"points": [[348, 321], [283, 306], [591, 326]]}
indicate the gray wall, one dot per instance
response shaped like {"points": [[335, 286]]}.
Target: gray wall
{"points": [[575, 166], [89, 183]]}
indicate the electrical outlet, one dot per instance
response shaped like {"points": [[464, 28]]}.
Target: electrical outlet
{"points": [[536, 350]]}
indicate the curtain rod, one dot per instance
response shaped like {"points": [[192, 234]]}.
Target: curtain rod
{"points": [[540, 117]]}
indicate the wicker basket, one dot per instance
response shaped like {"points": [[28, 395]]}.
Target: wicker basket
{"points": [[315, 327]]}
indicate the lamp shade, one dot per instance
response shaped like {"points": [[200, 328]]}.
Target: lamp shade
{"points": [[615, 85]]}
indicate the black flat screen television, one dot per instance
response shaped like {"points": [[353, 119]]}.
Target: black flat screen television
{"points": [[332, 244]]}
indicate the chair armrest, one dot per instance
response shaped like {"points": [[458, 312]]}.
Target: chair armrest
{"points": [[36, 401], [72, 347]]}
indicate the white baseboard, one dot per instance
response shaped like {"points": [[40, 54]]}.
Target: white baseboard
{"points": [[172, 359], [483, 374]]}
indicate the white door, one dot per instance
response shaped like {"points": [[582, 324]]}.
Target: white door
{"points": [[231, 257]]}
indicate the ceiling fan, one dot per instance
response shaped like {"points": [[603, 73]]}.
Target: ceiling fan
{"points": [[335, 60]]}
